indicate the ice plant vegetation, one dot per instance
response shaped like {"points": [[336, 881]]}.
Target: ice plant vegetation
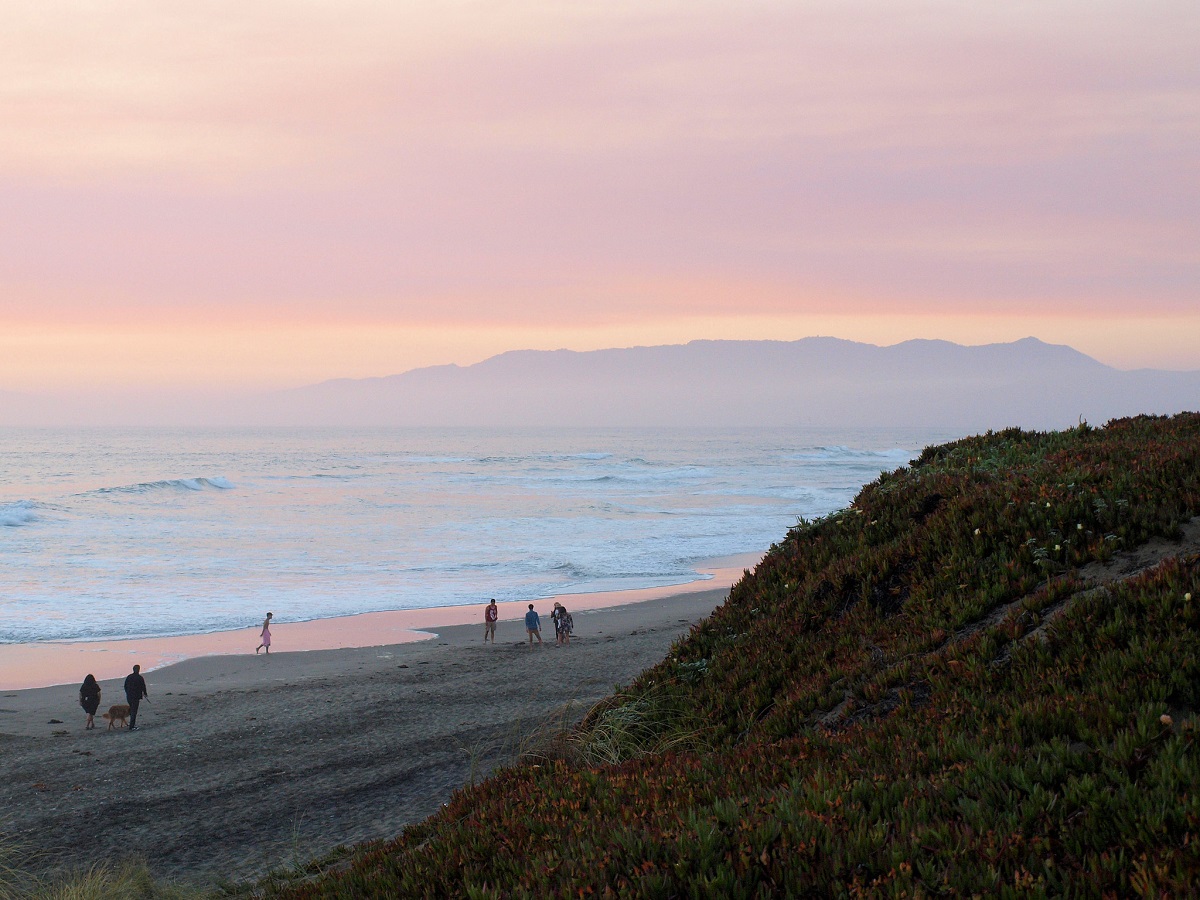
{"points": [[914, 696]]}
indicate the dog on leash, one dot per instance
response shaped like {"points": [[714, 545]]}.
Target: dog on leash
{"points": [[118, 713]]}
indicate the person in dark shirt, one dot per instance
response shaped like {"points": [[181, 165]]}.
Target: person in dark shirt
{"points": [[89, 699], [135, 690]]}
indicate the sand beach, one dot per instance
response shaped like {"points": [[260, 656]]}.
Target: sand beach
{"points": [[244, 762]]}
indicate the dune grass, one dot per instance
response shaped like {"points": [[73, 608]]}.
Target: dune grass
{"points": [[125, 880], [936, 691]]}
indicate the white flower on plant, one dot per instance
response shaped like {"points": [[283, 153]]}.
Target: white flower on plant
{"points": [[1187, 598], [1079, 527], [1057, 547], [978, 532]]}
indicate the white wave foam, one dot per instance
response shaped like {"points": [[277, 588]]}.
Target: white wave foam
{"points": [[218, 483], [841, 453], [13, 515], [570, 570]]}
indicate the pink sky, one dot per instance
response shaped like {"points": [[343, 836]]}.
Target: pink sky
{"points": [[273, 194]]}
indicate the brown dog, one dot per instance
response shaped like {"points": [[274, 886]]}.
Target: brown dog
{"points": [[118, 713]]}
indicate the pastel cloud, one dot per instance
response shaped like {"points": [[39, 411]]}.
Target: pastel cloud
{"points": [[578, 172]]}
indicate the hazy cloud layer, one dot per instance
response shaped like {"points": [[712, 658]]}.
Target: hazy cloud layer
{"points": [[199, 180]]}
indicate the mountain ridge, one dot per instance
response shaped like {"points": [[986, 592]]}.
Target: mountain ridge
{"points": [[815, 380], [823, 342]]}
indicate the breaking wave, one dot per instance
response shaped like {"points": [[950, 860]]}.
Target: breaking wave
{"points": [[13, 515], [171, 484]]}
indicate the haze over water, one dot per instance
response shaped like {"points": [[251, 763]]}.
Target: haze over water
{"points": [[117, 533]]}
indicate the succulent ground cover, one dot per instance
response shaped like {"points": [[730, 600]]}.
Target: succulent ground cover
{"points": [[961, 684]]}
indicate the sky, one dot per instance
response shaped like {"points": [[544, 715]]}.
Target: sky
{"points": [[270, 194]]}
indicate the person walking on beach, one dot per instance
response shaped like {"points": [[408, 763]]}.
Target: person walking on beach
{"points": [[490, 614], [533, 626], [135, 690], [89, 699], [266, 635]]}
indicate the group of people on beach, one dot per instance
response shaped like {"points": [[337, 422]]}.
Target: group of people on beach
{"points": [[135, 693], [135, 684], [563, 624]]}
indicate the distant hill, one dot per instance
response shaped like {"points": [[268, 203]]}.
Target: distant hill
{"points": [[814, 381]]}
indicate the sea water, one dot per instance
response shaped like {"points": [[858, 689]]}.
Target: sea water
{"points": [[114, 533]]}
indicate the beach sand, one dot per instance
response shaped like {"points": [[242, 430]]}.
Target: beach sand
{"points": [[244, 763]]}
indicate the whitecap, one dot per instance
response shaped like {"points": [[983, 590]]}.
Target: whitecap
{"points": [[14, 515]]}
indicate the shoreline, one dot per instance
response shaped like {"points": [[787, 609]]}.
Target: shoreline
{"points": [[35, 666]]}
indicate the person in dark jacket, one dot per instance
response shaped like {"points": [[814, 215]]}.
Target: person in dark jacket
{"points": [[135, 690], [89, 699]]}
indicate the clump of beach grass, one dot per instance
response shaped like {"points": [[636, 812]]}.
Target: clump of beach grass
{"points": [[123, 881], [14, 881], [626, 727], [126, 880]]}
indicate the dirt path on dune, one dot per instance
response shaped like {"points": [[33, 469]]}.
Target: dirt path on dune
{"points": [[243, 764]]}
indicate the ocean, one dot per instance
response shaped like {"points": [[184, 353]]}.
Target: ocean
{"points": [[116, 533]]}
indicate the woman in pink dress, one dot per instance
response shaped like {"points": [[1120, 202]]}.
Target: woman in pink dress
{"points": [[266, 635]]}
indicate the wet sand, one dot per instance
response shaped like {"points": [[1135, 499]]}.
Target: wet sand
{"points": [[247, 762]]}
